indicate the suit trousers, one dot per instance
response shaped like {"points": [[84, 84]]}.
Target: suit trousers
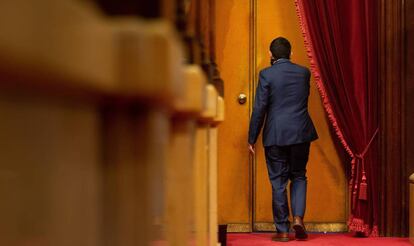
{"points": [[286, 163]]}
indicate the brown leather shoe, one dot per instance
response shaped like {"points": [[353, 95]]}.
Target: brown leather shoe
{"points": [[299, 227], [281, 237]]}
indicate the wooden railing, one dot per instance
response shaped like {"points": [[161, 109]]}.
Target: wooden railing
{"points": [[108, 138]]}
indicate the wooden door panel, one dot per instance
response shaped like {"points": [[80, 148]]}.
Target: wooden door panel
{"points": [[326, 177], [237, 53], [232, 50]]}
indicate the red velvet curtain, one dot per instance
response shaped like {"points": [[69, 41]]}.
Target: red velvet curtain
{"points": [[341, 41]]}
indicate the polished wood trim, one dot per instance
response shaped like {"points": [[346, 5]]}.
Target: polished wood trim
{"points": [[393, 183]]}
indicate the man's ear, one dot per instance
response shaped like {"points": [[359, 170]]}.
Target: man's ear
{"points": [[270, 54]]}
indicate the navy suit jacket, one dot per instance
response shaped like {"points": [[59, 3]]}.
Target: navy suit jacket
{"points": [[282, 98]]}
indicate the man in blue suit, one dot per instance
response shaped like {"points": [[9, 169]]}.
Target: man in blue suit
{"points": [[282, 104]]}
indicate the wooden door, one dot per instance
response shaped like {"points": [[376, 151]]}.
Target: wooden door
{"points": [[232, 40], [244, 30]]}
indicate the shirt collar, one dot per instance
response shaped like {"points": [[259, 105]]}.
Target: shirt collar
{"points": [[280, 60]]}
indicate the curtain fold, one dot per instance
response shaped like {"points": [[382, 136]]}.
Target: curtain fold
{"points": [[341, 42]]}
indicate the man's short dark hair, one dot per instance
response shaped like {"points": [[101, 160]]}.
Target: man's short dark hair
{"points": [[280, 48]]}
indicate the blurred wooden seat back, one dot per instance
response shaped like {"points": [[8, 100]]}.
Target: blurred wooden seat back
{"points": [[108, 137]]}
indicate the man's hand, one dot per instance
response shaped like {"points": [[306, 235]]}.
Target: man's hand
{"points": [[251, 149]]}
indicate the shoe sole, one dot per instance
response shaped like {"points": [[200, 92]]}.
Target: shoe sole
{"points": [[300, 233], [280, 239]]}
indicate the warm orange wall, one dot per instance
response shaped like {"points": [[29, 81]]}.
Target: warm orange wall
{"points": [[327, 183]]}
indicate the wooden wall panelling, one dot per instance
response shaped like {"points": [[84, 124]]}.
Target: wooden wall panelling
{"points": [[409, 85], [392, 171], [409, 110]]}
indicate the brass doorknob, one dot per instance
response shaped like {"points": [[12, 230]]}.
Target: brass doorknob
{"points": [[242, 98]]}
